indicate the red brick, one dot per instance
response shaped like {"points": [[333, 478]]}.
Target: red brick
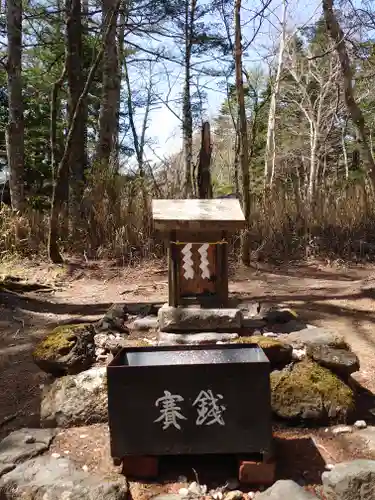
{"points": [[141, 467], [256, 472]]}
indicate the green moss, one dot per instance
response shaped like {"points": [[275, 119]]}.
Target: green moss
{"points": [[309, 381], [60, 339], [137, 343], [263, 342]]}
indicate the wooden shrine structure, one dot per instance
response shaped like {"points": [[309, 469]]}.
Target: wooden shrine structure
{"points": [[197, 234]]}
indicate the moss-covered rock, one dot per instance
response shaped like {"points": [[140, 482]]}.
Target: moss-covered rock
{"points": [[308, 391], [67, 350], [278, 353]]}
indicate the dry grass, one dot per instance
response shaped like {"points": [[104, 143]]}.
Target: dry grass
{"points": [[117, 224]]}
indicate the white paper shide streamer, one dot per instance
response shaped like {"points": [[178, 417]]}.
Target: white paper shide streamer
{"points": [[187, 262], [203, 250]]}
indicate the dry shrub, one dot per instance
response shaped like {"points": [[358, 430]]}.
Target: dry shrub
{"points": [[117, 217], [24, 234], [116, 223], [339, 224]]}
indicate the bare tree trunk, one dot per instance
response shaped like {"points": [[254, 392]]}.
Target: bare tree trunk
{"points": [[243, 136], [204, 174], [15, 128], [313, 169], [187, 118], [337, 35], [270, 150], [237, 153], [344, 151], [139, 140], [121, 62], [74, 66], [56, 204], [110, 92]]}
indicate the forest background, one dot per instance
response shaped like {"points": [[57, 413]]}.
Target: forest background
{"points": [[107, 104]]}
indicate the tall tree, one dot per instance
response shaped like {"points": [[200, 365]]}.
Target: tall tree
{"points": [[243, 133], [270, 152], [56, 203], [15, 128], [76, 82], [336, 33], [109, 107], [187, 117]]}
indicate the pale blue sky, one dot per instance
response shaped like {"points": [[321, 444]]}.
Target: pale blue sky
{"points": [[165, 127]]}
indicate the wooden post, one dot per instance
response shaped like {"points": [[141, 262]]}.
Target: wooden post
{"points": [[173, 281]]}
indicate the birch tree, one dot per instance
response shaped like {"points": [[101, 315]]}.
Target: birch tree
{"points": [[270, 152], [315, 93]]}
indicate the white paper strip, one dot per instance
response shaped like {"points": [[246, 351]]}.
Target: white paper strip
{"points": [[203, 250], [187, 262]]}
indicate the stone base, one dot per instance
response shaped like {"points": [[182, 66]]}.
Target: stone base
{"points": [[166, 338], [194, 319]]}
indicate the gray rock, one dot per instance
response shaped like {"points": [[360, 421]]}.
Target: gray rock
{"points": [[68, 349], [18, 447], [340, 361], [285, 489], [350, 481], [146, 323], [58, 479], [5, 468], [114, 320], [166, 338], [367, 437], [173, 319], [75, 400], [315, 336]]}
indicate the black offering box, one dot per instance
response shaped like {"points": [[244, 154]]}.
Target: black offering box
{"points": [[189, 400]]}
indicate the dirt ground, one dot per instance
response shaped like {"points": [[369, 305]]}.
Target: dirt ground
{"points": [[339, 297]]}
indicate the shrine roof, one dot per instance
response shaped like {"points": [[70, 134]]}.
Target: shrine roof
{"points": [[222, 214]]}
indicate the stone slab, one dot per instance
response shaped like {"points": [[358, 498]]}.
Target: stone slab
{"points": [[145, 323], [314, 336], [194, 319], [24, 444], [47, 478], [166, 338]]}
